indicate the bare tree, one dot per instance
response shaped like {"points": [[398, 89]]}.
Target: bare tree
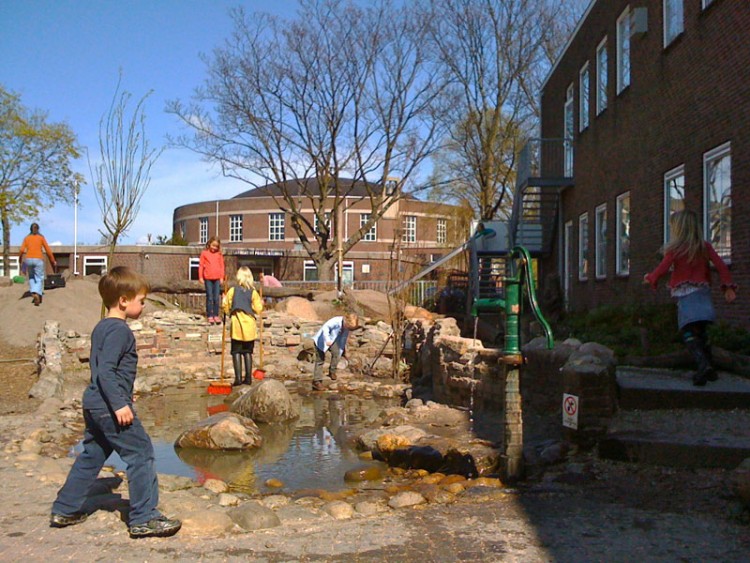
{"points": [[123, 174], [494, 52], [342, 95]]}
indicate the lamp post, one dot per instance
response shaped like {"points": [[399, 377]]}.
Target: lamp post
{"points": [[75, 228]]}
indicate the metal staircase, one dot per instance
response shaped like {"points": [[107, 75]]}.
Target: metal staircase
{"points": [[545, 169]]}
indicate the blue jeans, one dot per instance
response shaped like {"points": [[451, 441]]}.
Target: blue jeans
{"points": [[132, 443], [213, 291], [35, 272]]}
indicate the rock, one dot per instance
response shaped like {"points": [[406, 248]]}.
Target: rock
{"points": [[254, 516], [226, 499], [369, 507], [175, 483], [389, 442], [368, 440], [269, 401], [365, 473], [339, 510], [206, 523], [406, 498], [275, 501], [294, 514], [215, 486], [274, 483], [222, 431]]}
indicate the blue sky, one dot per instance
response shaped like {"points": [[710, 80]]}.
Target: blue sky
{"points": [[64, 56]]}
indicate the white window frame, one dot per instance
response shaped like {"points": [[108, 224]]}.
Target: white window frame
{"points": [[235, 228], [347, 267], [276, 226], [568, 130], [583, 246], [674, 13], [623, 50], [721, 241], [622, 243], [203, 230], [326, 218], [584, 97], [441, 234], [410, 228], [600, 235], [99, 263], [193, 265], [372, 234], [674, 186], [15, 266], [602, 81]]}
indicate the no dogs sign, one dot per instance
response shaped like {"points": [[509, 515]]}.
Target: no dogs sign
{"points": [[570, 411]]}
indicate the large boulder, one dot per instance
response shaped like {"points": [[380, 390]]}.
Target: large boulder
{"points": [[269, 401], [222, 431]]}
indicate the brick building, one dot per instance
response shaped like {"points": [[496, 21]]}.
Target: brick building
{"points": [[651, 103], [253, 228]]}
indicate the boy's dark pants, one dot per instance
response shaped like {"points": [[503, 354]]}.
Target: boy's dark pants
{"points": [[101, 437], [335, 351]]}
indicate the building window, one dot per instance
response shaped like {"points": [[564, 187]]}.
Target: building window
{"points": [[235, 228], [584, 97], [15, 267], [673, 20], [326, 218], [583, 246], [674, 197], [623, 234], [372, 234], [601, 76], [410, 229], [275, 226], [310, 272], [180, 230], [193, 269], [442, 231], [568, 133], [623, 50], [94, 265], [717, 199], [203, 230], [600, 223], [706, 3]]}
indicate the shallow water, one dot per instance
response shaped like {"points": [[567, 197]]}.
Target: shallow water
{"points": [[311, 452]]}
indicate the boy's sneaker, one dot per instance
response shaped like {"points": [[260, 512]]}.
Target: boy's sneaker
{"points": [[318, 386], [161, 527], [60, 521]]}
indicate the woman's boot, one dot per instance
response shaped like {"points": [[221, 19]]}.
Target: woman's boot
{"points": [[248, 368], [237, 365]]}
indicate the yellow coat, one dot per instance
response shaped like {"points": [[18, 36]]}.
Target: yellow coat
{"points": [[244, 327]]}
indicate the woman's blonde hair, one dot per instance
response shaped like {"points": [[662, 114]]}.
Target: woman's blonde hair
{"points": [[245, 278], [687, 236]]}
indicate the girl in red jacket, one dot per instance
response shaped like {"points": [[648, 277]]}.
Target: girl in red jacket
{"points": [[689, 255], [211, 273]]}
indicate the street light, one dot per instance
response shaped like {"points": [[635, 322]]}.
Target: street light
{"points": [[75, 228]]}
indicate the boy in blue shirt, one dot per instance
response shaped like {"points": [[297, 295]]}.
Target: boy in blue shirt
{"points": [[111, 423], [332, 337]]}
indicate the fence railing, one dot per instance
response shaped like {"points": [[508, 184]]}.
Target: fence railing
{"points": [[417, 293]]}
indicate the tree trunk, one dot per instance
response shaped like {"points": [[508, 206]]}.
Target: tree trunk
{"points": [[6, 244], [326, 269]]}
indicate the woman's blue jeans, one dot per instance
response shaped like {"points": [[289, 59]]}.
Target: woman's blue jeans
{"points": [[213, 292], [132, 443], [35, 272]]}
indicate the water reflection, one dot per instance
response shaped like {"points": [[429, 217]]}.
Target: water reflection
{"points": [[311, 452]]}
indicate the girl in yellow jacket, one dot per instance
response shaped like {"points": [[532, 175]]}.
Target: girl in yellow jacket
{"points": [[242, 303]]}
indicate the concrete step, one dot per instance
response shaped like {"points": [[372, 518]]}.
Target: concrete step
{"points": [[657, 448], [645, 389]]}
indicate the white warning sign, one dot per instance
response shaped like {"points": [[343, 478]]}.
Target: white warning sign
{"points": [[570, 411]]}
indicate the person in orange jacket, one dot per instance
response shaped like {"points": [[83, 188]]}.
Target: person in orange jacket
{"points": [[32, 246]]}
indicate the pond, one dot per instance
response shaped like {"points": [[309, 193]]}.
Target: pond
{"points": [[312, 452]]}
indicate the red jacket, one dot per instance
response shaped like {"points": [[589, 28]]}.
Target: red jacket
{"points": [[211, 266], [695, 271]]}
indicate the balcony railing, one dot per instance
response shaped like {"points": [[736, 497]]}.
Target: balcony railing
{"points": [[545, 162]]}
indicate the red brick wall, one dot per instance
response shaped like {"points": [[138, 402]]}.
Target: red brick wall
{"points": [[683, 101]]}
